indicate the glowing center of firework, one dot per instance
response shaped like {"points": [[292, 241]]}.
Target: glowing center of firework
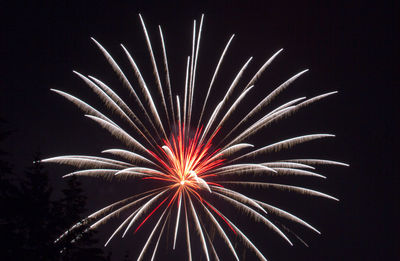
{"points": [[188, 162]]}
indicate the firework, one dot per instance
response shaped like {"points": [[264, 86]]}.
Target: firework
{"points": [[193, 161]]}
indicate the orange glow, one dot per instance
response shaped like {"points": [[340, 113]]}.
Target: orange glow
{"points": [[185, 160], [186, 163]]}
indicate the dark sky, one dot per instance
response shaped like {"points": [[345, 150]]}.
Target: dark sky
{"points": [[349, 46]]}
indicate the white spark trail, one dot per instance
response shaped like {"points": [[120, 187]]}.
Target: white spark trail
{"points": [[212, 118], [213, 78], [239, 197], [285, 144], [185, 101], [82, 105], [142, 210], [177, 220], [195, 66], [145, 90], [262, 123], [92, 172], [187, 231], [151, 236], [178, 109], [130, 216], [236, 81], [239, 169], [119, 133], [318, 162], [167, 77], [246, 240], [277, 114], [291, 171], [287, 164], [262, 69], [120, 227], [221, 231], [199, 230], [124, 108], [269, 98], [296, 189], [111, 104], [231, 150], [233, 107], [119, 210], [122, 76], [190, 86], [155, 70], [141, 171], [287, 215], [87, 162], [121, 202], [256, 215], [158, 240], [130, 156], [286, 105]]}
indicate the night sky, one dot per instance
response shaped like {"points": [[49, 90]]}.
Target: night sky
{"points": [[349, 46]]}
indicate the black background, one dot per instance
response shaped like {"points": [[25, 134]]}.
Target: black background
{"points": [[349, 46]]}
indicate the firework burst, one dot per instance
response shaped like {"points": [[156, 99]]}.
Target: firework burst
{"points": [[191, 161]]}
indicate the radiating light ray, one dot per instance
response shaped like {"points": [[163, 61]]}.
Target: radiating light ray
{"points": [[167, 77], [233, 107], [82, 105], [131, 156], [178, 108], [199, 230], [187, 231], [121, 226], [262, 123], [213, 79], [190, 83], [246, 240], [145, 90], [151, 236], [267, 100], [119, 133], [122, 202], [158, 240], [87, 162], [286, 215], [185, 100], [300, 190], [262, 69], [194, 66], [286, 164], [285, 144], [211, 245], [178, 215], [110, 103], [119, 210], [92, 172], [122, 76], [318, 162], [240, 169], [221, 231], [240, 197], [255, 214], [187, 167], [155, 70], [291, 171], [142, 210], [232, 150], [227, 95]]}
